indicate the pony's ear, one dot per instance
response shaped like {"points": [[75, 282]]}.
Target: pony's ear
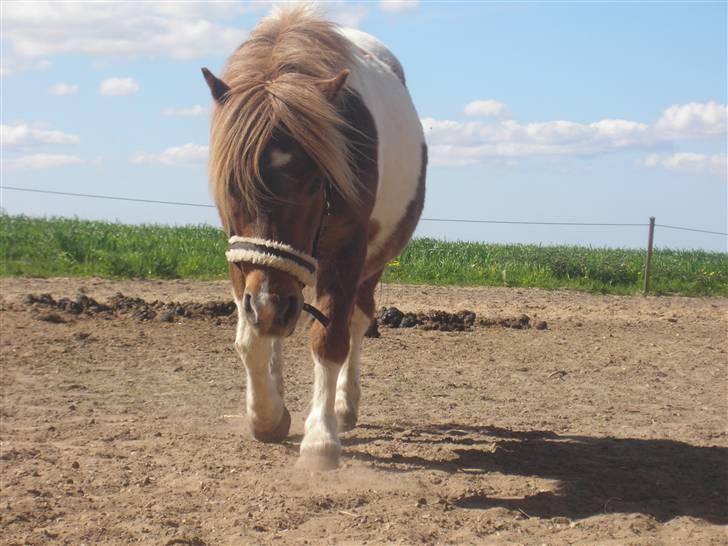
{"points": [[218, 88], [331, 88]]}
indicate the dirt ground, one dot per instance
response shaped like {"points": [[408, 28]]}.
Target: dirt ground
{"points": [[605, 425]]}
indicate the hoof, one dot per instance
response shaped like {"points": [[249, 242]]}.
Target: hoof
{"points": [[323, 457], [276, 435], [346, 416]]}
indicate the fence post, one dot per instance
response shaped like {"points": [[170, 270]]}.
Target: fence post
{"points": [[648, 262]]}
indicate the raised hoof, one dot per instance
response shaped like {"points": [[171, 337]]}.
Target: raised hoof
{"points": [[322, 459], [276, 435]]}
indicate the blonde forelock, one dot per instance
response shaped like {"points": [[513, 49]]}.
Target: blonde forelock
{"points": [[274, 80]]}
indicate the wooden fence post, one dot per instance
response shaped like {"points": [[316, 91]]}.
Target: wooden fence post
{"points": [[648, 262]]}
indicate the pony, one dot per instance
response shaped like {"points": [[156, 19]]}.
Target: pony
{"points": [[317, 167]]}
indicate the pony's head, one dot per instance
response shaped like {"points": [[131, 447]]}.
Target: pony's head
{"points": [[277, 153]]}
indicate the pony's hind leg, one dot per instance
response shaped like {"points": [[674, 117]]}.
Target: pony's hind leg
{"points": [[268, 418], [348, 386]]}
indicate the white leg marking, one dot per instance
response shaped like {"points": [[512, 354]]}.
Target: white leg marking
{"points": [[279, 158], [320, 448], [264, 402], [276, 366], [348, 387]]}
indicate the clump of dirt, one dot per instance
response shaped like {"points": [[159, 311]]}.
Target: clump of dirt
{"points": [[519, 323], [121, 305], [460, 321], [446, 322], [82, 304], [54, 318]]}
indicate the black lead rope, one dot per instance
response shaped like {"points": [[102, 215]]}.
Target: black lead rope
{"points": [[328, 210], [315, 313]]}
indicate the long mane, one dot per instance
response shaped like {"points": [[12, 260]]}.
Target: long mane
{"points": [[273, 78]]}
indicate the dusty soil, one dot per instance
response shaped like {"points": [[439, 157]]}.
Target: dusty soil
{"points": [[606, 424]]}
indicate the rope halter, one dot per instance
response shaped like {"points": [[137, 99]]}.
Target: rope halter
{"points": [[275, 255]]}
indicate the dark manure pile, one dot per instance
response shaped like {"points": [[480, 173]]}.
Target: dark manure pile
{"points": [[461, 321], [125, 306], [51, 310]]}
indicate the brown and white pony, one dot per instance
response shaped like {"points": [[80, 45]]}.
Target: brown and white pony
{"points": [[317, 166]]}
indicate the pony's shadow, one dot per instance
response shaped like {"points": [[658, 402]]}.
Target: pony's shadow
{"points": [[661, 478]]}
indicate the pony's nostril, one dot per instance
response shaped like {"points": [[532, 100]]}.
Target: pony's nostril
{"points": [[282, 306], [289, 308], [248, 306]]}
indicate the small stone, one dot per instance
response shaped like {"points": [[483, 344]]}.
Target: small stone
{"points": [[75, 465], [541, 325]]}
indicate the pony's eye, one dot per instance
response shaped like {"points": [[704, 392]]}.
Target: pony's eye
{"points": [[316, 184]]}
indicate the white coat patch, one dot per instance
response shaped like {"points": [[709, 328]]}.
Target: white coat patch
{"points": [[278, 158], [399, 131]]}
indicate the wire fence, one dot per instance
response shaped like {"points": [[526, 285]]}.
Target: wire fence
{"points": [[423, 219]]}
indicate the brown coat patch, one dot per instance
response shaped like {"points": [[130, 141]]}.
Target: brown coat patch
{"points": [[405, 227], [344, 239]]}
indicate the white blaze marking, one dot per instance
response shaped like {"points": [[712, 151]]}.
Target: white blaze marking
{"points": [[279, 158]]}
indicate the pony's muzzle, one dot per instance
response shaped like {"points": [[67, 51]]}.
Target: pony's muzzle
{"points": [[271, 314]]}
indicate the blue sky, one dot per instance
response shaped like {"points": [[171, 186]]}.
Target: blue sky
{"points": [[549, 111]]}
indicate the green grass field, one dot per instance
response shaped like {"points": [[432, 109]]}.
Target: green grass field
{"points": [[35, 247]]}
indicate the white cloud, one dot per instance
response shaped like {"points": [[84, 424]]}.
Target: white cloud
{"points": [[194, 110], [63, 89], [690, 162], [180, 30], [41, 161], [471, 142], [114, 87], [34, 31], [486, 108], [186, 153], [464, 143], [11, 65], [395, 6], [694, 120], [23, 134]]}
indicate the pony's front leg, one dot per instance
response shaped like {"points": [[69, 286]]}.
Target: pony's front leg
{"points": [[268, 417], [320, 447]]}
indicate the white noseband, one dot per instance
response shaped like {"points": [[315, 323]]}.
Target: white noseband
{"points": [[275, 255]]}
